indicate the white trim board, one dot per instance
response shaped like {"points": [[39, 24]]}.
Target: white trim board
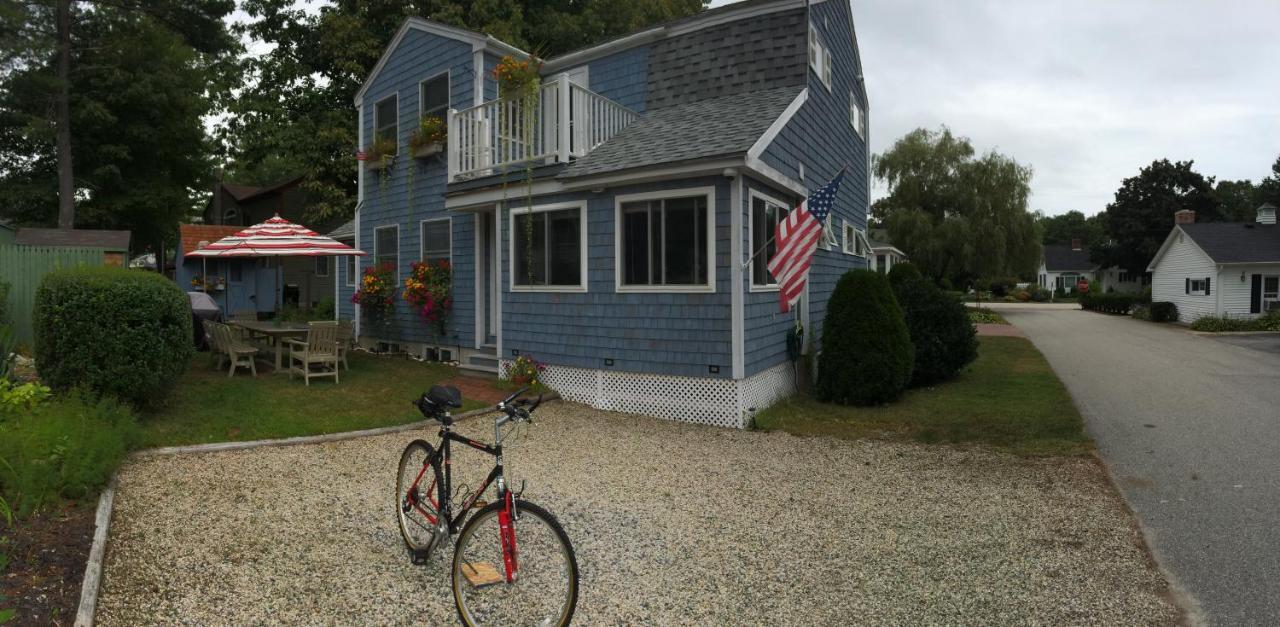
{"points": [[709, 192], [780, 123], [750, 262]]}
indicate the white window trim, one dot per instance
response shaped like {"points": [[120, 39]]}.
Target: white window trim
{"points": [[1202, 290], [618, 201], [858, 122], [829, 241], [376, 253], [326, 265], [820, 62], [848, 238], [377, 127], [448, 102], [581, 206], [351, 269], [1263, 293], [422, 241], [751, 241]]}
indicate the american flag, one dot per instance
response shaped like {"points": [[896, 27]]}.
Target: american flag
{"points": [[797, 238]]}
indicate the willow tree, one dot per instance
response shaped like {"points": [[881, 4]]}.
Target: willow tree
{"points": [[958, 215]]}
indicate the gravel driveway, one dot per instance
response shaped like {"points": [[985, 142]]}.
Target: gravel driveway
{"points": [[673, 524]]}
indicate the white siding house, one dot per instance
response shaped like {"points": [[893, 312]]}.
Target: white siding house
{"points": [[1229, 269], [1061, 267]]}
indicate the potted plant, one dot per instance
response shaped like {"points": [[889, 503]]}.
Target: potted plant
{"points": [[376, 295], [429, 138], [518, 78], [526, 370], [380, 155]]}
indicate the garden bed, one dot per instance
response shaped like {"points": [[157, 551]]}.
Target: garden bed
{"points": [[46, 558]]}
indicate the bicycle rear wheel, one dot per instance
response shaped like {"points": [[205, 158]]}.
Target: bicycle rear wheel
{"points": [[538, 585], [418, 498]]}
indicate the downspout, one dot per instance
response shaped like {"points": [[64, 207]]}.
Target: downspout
{"points": [[736, 297], [359, 206]]}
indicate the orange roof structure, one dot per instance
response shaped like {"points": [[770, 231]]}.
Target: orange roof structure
{"points": [[190, 235]]}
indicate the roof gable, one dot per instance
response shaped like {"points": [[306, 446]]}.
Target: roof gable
{"points": [[1235, 242], [1064, 258]]}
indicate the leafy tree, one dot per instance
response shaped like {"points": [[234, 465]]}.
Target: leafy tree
{"points": [[1240, 199], [955, 214], [1140, 217], [295, 114], [1269, 189], [1063, 228], [129, 147]]}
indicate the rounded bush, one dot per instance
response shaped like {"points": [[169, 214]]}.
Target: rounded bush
{"points": [[944, 339], [115, 332], [866, 354], [1164, 311], [902, 272]]}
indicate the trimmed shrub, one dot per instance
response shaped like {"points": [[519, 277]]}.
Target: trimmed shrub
{"points": [[1141, 312], [1269, 321], [905, 271], [1039, 294], [117, 332], [1144, 297], [943, 338], [866, 354], [1112, 303], [1219, 324], [982, 315], [1163, 311], [1002, 286], [64, 448]]}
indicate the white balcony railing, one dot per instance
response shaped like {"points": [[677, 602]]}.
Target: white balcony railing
{"points": [[568, 121]]}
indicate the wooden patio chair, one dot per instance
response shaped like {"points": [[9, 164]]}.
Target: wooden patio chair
{"points": [[238, 352], [320, 350], [243, 315], [346, 338], [216, 352]]}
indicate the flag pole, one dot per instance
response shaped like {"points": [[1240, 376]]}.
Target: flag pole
{"points": [[775, 233]]}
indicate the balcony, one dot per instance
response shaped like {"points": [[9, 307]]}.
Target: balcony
{"points": [[567, 121]]}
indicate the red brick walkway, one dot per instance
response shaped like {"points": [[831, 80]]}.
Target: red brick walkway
{"points": [[998, 330], [477, 388]]}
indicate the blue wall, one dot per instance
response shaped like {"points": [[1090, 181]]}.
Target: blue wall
{"points": [[346, 310], [666, 333], [622, 77], [414, 189], [239, 295], [820, 137]]}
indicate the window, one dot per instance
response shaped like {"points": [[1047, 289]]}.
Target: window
{"points": [[849, 241], [1198, 286], [664, 243], [1270, 289], [1124, 277], [322, 266], [828, 233], [386, 247], [437, 241], [819, 57], [385, 119], [556, 261], [351, 270], [433, 97], [856, 119], [766, 213], [882, 268]]}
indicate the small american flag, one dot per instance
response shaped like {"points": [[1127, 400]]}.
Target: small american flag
{"points": [[797, 237]]}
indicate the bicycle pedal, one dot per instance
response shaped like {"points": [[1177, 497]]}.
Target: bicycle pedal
{"points": [[419, 558]]}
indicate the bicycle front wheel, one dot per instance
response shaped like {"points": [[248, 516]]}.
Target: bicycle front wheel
{"points": [[534, 584]]}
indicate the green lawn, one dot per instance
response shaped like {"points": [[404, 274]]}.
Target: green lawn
{"points": [[1008, 399], [207, 406]]}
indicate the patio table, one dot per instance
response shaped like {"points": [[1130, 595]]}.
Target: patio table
{"points": [[276, 332]]}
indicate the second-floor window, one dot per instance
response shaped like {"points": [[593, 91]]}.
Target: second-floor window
{"points": [[386, 124], [433, 97], [819, 57], [856, 118]]}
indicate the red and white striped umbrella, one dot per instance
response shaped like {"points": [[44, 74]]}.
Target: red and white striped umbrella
{"points": [[276, 237]]}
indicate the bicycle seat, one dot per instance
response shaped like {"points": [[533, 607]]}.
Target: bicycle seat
{"points": [[445, 396]]}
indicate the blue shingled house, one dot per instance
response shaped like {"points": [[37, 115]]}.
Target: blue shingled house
{"points": [[660, 162]]}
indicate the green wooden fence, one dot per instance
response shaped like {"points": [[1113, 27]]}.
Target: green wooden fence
{"points": [[22, 267]]}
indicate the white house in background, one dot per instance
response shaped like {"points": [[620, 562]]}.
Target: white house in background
{"points": [[1061, 267], [884, 254], [1227, 269]]}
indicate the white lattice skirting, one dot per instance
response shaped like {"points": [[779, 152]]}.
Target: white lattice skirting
{"points": [[720, 402]]}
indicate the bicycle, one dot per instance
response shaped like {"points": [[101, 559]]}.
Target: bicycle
{"points": [[494, 579]]}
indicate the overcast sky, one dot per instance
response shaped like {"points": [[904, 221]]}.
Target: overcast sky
{"points": [[1084, 91]]}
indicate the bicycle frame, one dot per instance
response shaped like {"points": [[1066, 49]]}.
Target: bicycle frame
{"points": [[444, 455]]}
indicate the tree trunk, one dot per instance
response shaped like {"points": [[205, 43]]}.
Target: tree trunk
{"points": [[66, 174]]}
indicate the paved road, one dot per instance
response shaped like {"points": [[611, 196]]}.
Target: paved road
{"points": [[1190, 427]]}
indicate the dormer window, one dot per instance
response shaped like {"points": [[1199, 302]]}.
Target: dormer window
{"points": [[819, 57]]}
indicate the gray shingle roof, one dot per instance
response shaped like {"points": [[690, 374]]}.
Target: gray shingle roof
{"points": [[88, 238], [1062, 258], [1237, 242], [346, 231], [714, 127]]}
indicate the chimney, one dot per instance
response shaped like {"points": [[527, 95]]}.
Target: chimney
{"points": [[1075, 244], [1267, 214], [1186, 216]]}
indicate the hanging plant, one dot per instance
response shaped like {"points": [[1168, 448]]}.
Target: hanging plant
{"points": [[376, 296], [520, 82], [429, 290], [380, 156]]}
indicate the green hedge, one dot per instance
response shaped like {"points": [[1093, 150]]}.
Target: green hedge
{"points": [[867, 355], [1112, 303], [902, 272], [1163, 311], [65, 448], [944, 339], [117, 332], [1218, 324]]}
